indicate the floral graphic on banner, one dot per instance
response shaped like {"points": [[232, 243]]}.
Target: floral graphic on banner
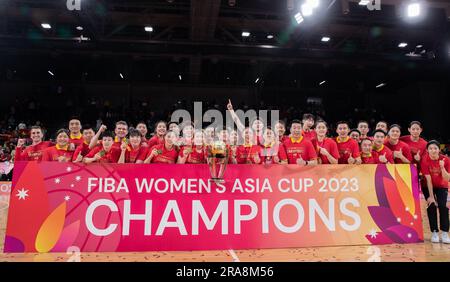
{"points": [[55, 224], [398, 214]]}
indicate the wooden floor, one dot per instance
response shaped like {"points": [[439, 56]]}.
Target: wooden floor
{"points": [[410, 252]]}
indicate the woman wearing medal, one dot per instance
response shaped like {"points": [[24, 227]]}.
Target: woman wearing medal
{"points": [[272, 151]]}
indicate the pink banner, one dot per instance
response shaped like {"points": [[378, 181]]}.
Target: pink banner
{"points": [[112, 207]]}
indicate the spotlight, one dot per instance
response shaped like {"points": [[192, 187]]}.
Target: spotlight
{"points": [[403, 45], [364, 2], [325, 39], [313, 3], [380, 85], [413, 10], [121, 75], [80, 28], [257, 79], [179, 77], [245, 34], [51, 73], [308, 7], [148, 29], [270, 36], [323, 82], [307, 10], [46, 25]]}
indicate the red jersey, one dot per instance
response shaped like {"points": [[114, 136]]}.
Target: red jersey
{"points": [[77, 140], [400, 146], [419, 146], [328, 144], [82, 150], [112, 156], [259, 140], [33, 152], [135, 154], [383, 150], [57, 154], [269, 152], [245, 154], [310, 134], [155, 140], [195, 156], [144, 142], [163, 156], [347, 148], [369, 159], [432, 168], [118, 142], [301, 147], [283, 138]]}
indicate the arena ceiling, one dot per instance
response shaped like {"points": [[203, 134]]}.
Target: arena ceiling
{"points": [[202, 40]]}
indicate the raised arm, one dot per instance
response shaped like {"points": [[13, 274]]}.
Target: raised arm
{"points": [[19, 150], [236, 119], [123, 150], [96, 137]]}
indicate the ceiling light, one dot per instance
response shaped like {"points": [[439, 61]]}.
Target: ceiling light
{"points": [[413, 10], [46, 25]]}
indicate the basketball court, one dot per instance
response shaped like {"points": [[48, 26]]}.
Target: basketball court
{"points": [[172, 97]]}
